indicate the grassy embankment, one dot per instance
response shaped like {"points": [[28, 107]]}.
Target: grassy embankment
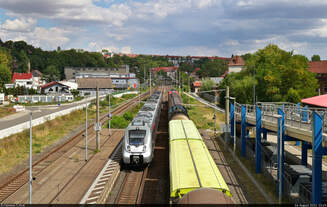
{"points": [[202, 115], [15, 148]]}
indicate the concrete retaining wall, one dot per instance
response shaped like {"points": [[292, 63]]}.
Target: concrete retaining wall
{"points": [[26, 125]]}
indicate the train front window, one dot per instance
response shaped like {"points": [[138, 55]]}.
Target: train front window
{"points": [[136, 137]]}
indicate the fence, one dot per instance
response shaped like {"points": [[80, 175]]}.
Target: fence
{"points": [[44, 98]]}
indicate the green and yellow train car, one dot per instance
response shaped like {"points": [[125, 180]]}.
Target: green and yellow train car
{"points": [[191, 165]]}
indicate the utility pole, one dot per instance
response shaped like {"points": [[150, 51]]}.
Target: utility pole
{"points": [[215, 115], [144, 73], [280, 161], [31, 178], [227, 114], [150, 81], [97, 126], [179, 81], [254, 86], [109, 116], [86, 131], [189, 89]]}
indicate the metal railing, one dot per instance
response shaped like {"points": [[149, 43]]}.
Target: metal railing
{"points": [[295, 115]]}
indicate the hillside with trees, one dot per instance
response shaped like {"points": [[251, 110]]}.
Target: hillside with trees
{"points": [[17, 55]]}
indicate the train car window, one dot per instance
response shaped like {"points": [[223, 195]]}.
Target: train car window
{"points": [[136, 137]]}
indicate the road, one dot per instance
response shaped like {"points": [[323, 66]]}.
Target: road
{"points": [[38, 111]]}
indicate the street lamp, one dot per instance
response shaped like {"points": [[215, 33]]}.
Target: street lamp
{"points": [[253, 86]]}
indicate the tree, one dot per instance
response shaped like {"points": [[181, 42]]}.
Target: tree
{"points": [[51, 73], [74, 92], [5, 57], [5, 75], [207, 85], [279, 76], [315, 58]]}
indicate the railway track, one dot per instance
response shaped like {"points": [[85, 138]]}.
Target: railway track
{"points": [[131, 190], [17, 181]]}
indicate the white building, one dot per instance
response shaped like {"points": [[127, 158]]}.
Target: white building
{"points": [[236, 64], [24, 79]]}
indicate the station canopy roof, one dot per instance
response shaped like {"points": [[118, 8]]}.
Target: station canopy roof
{"points": [[320, 101]]}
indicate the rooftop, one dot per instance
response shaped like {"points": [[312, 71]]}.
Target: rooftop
{"points": [[320, 101], [318, 66], [236, 61], [92, 83], [21, 76]]}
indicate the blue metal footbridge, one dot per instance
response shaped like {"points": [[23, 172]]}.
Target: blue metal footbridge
{"points": [[291, 122]]}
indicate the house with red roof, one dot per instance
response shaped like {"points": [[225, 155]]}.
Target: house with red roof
{"points": [[196, 85], [320, 69], [236, 64], [54, 87], [23, 79]]}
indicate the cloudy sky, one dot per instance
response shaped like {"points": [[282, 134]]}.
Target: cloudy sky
{"points": [[180, 27]]}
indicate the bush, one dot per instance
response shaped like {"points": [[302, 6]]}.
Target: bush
{"points": [[118, 122], [128, 116], [128, 96]]}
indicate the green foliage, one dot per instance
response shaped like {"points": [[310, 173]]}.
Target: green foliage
{"points": [[51, 73], [207, 85], [5, 75], [74, 92], [128, 116], [21, 61], [121, 122], [315, 58], [279, 76], [118, 122], [20, 90], [5, 57], [128, 96], [213, 68], [21, 53]]}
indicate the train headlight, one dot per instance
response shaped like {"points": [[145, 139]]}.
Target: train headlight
{"points": [[144, 148], [128, 148]]}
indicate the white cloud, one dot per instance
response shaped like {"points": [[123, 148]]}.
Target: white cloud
{"points": [[232, 43], [126, 50], [68, 11], [319, 31], [94, 46], [19, 25], [47, 38]]}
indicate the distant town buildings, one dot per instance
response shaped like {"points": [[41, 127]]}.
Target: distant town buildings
{"points": [[85, 72], [320, 69], [87, 86], [236, 64]]}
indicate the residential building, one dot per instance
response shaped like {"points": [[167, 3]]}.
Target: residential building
{"points": [[236, 64], [72, 85], [87, 86], [196, 85], [54, 87], [320, 69], [71, 72], [24, 79], [37, 78]]}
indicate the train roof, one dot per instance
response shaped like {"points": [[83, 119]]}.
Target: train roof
{"points": [[192, 166], [182, 129]]}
